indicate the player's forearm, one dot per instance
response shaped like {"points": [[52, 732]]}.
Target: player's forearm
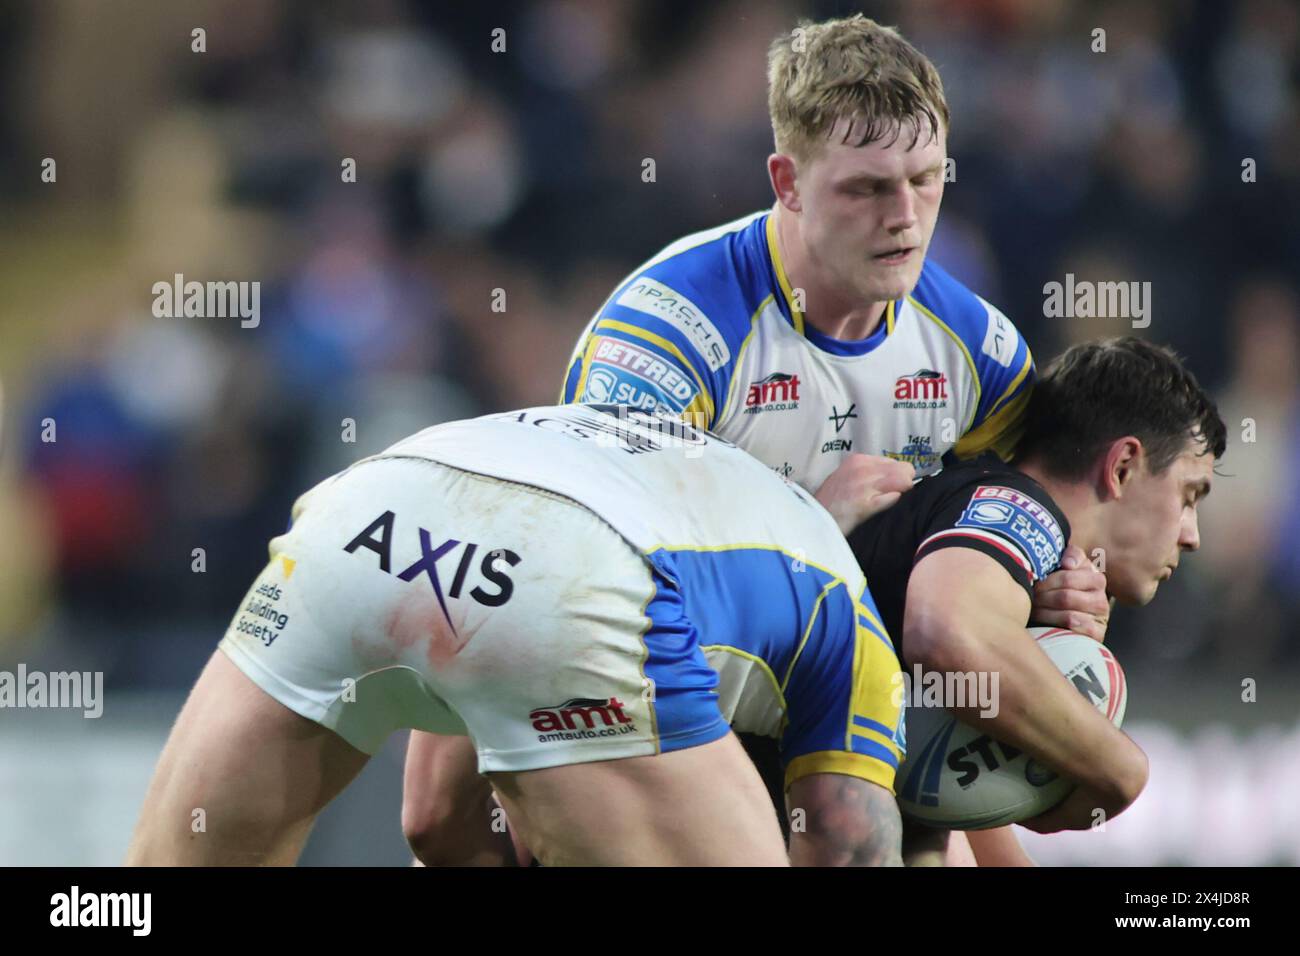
{"points": [[846, 822], [809, 849], [1036, 711]]}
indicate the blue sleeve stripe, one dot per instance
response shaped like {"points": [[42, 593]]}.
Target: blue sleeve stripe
{"points": [[995, 395], [869, 748], [875, 725]]}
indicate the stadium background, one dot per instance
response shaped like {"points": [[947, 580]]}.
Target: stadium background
{"points": [[523, 171]]}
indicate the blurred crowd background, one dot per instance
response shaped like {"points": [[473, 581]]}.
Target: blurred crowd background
{"points": [[522, 171]]}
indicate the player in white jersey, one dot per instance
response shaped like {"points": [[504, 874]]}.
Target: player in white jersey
{"points": [[815, 335], [583, 593]]}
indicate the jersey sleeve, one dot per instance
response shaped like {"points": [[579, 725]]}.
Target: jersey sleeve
{"points": [[1005, 369], [1005, 516], [621, 363], [845, 700], [661, 341]]}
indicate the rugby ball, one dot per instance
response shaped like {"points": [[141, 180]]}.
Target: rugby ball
{"points": [[958, 777]]}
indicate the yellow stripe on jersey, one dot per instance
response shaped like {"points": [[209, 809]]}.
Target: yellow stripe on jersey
{"points": [[740, 357], [812, 619], [889, 318], [1015, 383], [564, 382], [970, 360], [1000, 432], [704, 400], [762, 665], [877, 690], [883, 739], [586, 367], [1003, 425], [796, 315], [838, 761], [875, 621], [645, 657], [699, 412]]}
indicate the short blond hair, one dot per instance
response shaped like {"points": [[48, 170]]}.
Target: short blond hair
{"points": [[820, 73]]}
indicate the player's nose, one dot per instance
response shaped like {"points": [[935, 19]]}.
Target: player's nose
{"points": [[1189, 537], [900, 213]]}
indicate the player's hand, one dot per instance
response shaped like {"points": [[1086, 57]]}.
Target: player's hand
{"points": [[1091, 806], [862, 486], [1073, 597], [1077, 811], [1083, 809]]}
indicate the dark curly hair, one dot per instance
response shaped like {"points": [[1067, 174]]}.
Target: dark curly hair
{"points": [[1097, 392]]}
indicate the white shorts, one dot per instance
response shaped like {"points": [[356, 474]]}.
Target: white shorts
{"points": [[410, 594]]}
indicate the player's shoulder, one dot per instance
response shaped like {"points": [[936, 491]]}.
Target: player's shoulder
{"points": [[984, 471], [988, 335], [705, 286], [987, 495]]}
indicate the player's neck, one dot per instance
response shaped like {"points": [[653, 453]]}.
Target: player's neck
{"points": [[828, 311], [1075, 499]]}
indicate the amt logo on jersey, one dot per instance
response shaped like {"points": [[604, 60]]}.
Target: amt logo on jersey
{"points": [[924, 388], [776, 392], [561, 722]]}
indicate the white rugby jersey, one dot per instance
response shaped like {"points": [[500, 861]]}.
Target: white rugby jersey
{"points": [[659, 482], [760, 586], [710, 327]]}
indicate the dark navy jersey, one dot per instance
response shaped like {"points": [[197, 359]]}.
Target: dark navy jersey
{"points": [[983, 504]]}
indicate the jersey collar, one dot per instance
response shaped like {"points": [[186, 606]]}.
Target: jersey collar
{"points": [[796, 315], [782, 280]]}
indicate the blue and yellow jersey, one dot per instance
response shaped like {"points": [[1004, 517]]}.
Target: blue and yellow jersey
{"points": [[831, 696], [760, 616], [710, 327]]}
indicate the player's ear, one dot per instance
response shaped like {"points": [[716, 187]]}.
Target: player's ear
{"points": [[783, 173], [1120, 465]]}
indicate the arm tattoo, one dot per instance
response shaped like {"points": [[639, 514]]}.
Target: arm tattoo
{"points": [[852, 823], [881, 826]]}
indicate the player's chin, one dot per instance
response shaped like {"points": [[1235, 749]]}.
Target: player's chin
{"points": [[1132, 593], [1131, 589], [891, 285]]}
